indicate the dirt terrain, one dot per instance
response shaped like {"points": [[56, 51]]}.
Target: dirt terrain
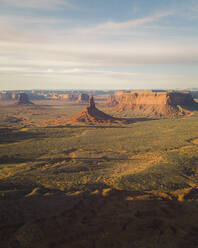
{"points": [[96, 184], [102, 218]]}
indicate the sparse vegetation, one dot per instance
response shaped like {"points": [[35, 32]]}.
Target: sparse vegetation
{"points": [[55, 164]]}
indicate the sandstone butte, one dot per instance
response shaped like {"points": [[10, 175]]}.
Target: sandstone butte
{"points": [[93, 115], [112, 101], [68, 97], [23, 99], [159, 104]]}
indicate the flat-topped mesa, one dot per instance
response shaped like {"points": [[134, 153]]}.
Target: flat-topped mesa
{"points": [[161, 104], [23, 99], [93, 115]]}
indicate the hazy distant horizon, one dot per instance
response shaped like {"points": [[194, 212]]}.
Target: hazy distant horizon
{"points": [[102, 89], [98, 44]]}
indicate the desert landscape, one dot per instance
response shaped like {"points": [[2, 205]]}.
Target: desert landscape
{"points": [[98, 124], [92, 175]]}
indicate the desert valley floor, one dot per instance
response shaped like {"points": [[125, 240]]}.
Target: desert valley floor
{"points": [[69, 185]]}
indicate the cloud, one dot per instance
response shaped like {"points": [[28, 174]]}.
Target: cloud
{"points": [[38, 4], [86, 74], [112, 26], [64, 52], [51, 46], [79, 54]]}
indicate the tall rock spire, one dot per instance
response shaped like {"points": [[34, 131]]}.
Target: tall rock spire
{"points": [[91, 102]]}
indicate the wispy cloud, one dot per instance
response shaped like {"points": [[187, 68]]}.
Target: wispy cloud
{"points": [[52, 46], [112, 26], [84, 73], [66, 54], [38, 4], [48, 46]]}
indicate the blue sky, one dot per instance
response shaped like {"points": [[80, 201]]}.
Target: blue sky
{"points": [[98, 44]]}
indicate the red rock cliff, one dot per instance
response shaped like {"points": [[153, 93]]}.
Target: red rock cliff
{"points": [[155, 103]]}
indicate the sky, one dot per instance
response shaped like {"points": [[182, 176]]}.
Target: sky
{"points": [[98, 44]]}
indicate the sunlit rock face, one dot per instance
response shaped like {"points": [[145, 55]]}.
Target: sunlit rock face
{"points": [[112, 101], [67, 97], [162, 104]]}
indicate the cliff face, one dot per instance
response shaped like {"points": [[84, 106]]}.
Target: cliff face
{"points": [[161, 104], [112, 101], [183, 99]]}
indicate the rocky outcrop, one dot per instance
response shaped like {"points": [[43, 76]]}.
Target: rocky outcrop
{"points": [[23, 99], [112, 101], [118, 93], [83, 99], [67, 97], [5, 96], [14, 96], [160, 104], [181, 98], [93, 115]]}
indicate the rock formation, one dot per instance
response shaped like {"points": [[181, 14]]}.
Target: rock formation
{"points": [[159, 104], [83, 99], [67, 97], [93, 115], [23, 99], [5, 96], [112, 101], [118, 93], [14, 96]]}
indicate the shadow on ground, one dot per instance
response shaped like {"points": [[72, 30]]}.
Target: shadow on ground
{"points": [[122, 123], [8, 135], [44, 218]]}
